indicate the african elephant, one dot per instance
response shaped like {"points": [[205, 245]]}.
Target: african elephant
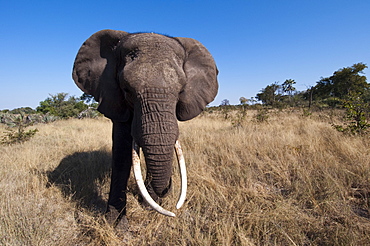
{"points": [[144, 82]]}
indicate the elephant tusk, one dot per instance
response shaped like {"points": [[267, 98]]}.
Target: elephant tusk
{"points": [[140, 182], [182, 167]]}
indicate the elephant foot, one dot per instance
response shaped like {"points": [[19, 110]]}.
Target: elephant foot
{"points": [[117, 220], [122, 228]]}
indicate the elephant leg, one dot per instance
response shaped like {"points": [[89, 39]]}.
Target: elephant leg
{"points": [[121, 166]]}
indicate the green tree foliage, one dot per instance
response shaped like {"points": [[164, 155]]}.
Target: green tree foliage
{"points": [[89, 100], [288, 87], [23, 110], [342, 83], [270, 95], [61, 106], [357, 114]]}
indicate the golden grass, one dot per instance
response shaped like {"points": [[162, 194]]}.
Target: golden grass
{"points": [[292, 180]]}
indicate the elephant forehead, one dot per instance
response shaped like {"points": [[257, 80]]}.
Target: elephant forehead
{"points": [[162, 74], [163, 69], [152, 43]]}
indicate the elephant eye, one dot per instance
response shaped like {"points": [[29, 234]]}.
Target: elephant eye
{"points": [[133, 54]]}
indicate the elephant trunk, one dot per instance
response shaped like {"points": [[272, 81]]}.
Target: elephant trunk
{"points": [[158, 159], [141, 185], [155, 130]]}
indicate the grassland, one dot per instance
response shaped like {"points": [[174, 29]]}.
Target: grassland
{"points": [[290, 180]]}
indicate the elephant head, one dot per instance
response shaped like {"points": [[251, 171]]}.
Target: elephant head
{"points": [[145, 82]]}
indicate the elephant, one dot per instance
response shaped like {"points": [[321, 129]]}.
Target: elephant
{"points": [[145, 83]]}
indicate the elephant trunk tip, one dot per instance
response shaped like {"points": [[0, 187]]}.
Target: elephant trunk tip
{"points": [[141, 185]]}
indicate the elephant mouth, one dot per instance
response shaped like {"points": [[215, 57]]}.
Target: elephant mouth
{"points": [[140, 181]]}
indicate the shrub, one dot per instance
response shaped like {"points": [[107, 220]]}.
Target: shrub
{"points": [[357, 113], [19, 135], [262, 115], [241, 114], [61, 106], [89, 113]]}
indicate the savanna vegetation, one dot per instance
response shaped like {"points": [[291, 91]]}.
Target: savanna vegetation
{"points": [[288, 179], [55, 107], [283, 168]]}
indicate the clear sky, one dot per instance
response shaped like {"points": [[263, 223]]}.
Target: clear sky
{"points": [[254, 42]]}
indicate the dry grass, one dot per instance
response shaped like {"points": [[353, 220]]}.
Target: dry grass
{"points": [[292, 180]]}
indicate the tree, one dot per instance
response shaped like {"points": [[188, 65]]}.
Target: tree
{"points": [[60, 106], [288, 87], [253, 100], [308, 95], [225, 102], [342, 83], [89, 100], [357, 114], [269, 94], [243, 100], [23, 110]]}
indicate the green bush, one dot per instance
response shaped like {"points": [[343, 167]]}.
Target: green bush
{"points": [[357, 114], [16, 131], [61, 106]]}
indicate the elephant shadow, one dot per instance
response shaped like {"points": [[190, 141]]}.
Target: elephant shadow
{"points": [[82, 177]]}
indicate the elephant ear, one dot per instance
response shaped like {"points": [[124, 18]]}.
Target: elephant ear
{"points": [[95, 70], [201, 86]]}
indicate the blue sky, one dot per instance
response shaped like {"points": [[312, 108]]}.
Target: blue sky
{"points": [[255, 43]]}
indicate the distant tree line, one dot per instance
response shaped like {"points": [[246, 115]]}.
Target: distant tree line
{"points": [[61, 106], [333, 91], [55, 107], [347, 82]]}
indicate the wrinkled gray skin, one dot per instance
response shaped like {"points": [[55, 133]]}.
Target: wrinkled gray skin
{"points": [[144, 82]]}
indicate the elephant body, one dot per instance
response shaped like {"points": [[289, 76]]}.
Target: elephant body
{"points": [[145, 83]]}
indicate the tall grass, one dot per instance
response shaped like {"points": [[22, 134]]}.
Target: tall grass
{"points": [[290, 180]]}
